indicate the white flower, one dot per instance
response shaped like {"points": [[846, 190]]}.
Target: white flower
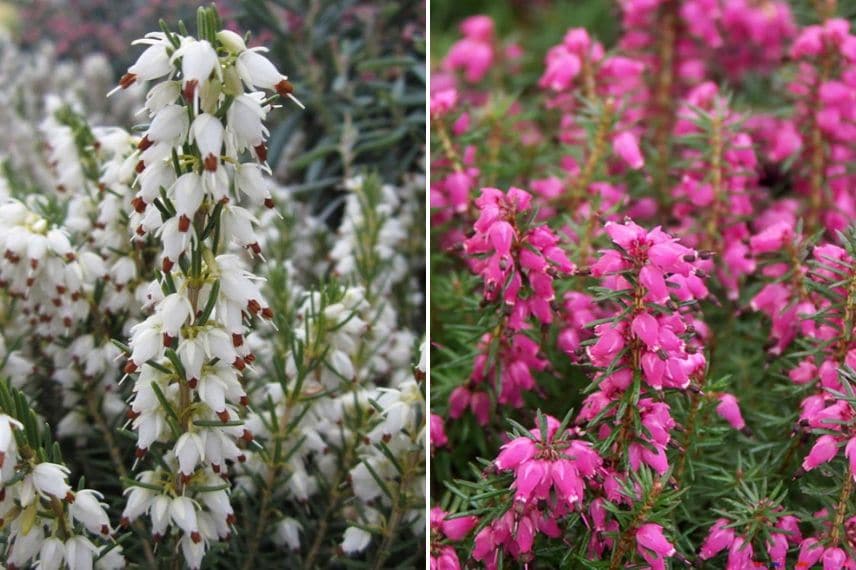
{"points": [[112, 560], [183, 514], [8, 445], [161, 95], [26, 547], [174, 241], [156, 176], [188, 195], [50, 479], [423, 357], [193, 551], [251, 181], [198, 61], [139, 500], [169, 126], [189, 451], [146, 341], [87, 510], [79, 553], [191, 351], [341, 364], [207, 131], [257, 71], [288, 533], [52, 554], [153, 63], [355, 540], [231, 41], [159, 513], [245, 120], [174, 311]]}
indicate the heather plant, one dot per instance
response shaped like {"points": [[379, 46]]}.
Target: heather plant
{"points": [[199, 366], [643, 295]]}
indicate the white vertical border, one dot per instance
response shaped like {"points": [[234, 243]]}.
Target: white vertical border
{"points": [[427, 284]]}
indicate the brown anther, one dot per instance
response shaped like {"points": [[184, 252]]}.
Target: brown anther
{"points": [[237, 339], [140, 167], [284, 88], [69, 497], [211, 162], [239, 363], [189, 90], [253, 306], [261, 151], [196, 537], [247, 436], [167, 265], [193, 383], [183, 223], [267, 313], [167, 340], [139, 205], [269, 203], [145, 143], [127, 80], [223, 415], [130, 367]]}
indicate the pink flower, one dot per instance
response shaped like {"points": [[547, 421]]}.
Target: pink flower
{"points": [[438, 432], [646, 329], [442, 102], [626, 146], [652, 545], [729, 410], [772, 239], [718, 539], [824, 449]]}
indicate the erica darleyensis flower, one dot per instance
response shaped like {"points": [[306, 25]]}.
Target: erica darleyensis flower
{"points": [[518, 266], [202, 155], [443, 531], [552, 470]]}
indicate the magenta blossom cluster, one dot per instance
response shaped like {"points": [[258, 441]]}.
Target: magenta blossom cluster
{"points": [[551, 471], [445, 530], [504, 254]]}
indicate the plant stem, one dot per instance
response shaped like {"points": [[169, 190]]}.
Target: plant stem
{"points": [[324, 524], [595, 158], [119, 465], [841, 508], [626, 539], [664, 86]]}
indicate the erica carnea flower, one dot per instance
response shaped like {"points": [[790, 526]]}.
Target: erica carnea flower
{"points": [[202, 155]]}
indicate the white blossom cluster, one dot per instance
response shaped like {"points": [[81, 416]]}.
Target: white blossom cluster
{"points": [[27, 75], [48, 523], [362, 402], [373, 236], [158, 239], [201, 163]]}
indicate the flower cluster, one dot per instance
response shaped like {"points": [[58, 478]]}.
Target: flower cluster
{"points": [[190, 352], [699, 340]]}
